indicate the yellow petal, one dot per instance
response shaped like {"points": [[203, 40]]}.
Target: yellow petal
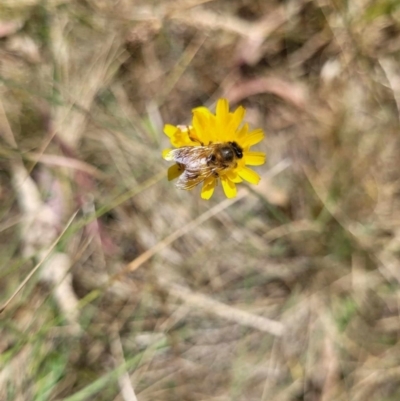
{"points": [[201, 123], [222, 111], [241, 134], [234, 176], [229, 187], [249, 175], [174, 172], [252, 138], [202, 110], [222, 121], [181, 138], [208, 188], [166, 154], [170, 130], [254, 158], [235, 120]]}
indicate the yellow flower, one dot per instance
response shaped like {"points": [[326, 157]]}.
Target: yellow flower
{"points": [[209, 131]]}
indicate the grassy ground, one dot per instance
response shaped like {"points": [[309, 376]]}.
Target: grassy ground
{"points": [[288, 292]]}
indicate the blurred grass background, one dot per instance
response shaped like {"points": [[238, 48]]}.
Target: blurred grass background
{"points": [[289, 292]]}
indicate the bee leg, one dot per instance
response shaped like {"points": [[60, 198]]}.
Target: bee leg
{"points": [[196, 140], [193, 139]]}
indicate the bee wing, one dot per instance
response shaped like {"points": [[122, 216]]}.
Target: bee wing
{"points": [[189, 155], [190, 179], [194, 161]]}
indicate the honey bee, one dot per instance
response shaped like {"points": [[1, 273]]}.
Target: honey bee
{"points": [[201, 162]]}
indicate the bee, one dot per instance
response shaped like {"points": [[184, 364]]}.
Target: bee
{"points": [[201, 162]]}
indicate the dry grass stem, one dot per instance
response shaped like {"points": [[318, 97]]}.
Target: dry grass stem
{"points": [[227, 312]]}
